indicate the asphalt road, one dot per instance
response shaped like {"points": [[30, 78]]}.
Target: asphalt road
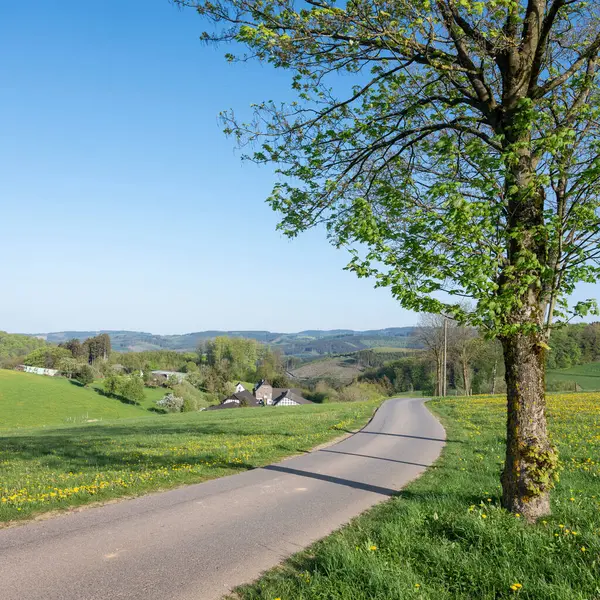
{"points": [[199, 541]]}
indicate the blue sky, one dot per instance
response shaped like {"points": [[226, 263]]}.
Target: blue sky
{"points": [[125, 207]]}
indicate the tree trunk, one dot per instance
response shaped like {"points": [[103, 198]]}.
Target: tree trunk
{"points": [[466, 378], [530, 459]]}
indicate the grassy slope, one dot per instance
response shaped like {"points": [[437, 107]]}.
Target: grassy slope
{"points": [[50, 468], [587, 376], [28, 400], [343, 369], [445, 537]]}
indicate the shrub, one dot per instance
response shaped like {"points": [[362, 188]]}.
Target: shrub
{"points": [[196, 379], [171, 403], [360, 392], [191, 367], [322, 393], [125, 387], [132, 389], [111, 384], [193, 398], [69, 366], [84, 374], [190, 405]]}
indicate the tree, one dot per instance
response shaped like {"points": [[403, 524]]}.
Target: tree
{"points": [[13, 345], [47, 357], [240, 354], [126, 387], [431, 334], [464, 160], [84, 374], [75, 347], [68, 366], [464, 348]]}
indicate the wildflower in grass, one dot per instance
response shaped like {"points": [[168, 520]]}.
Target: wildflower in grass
{"points": [[583, 549], [372, 548], [515, 587], [484, 516], [417, 585], [517, 515]]}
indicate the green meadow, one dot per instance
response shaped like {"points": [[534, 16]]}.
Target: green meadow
{"points": [[28, 400], [48, 468], [586, 376]]}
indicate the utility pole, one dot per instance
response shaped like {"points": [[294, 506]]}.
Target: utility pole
{"points": [[444, 385]]}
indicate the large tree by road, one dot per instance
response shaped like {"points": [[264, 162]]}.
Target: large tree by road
{"points": [[462, 163]]}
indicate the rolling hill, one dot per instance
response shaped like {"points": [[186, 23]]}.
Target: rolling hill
{"points": [[587, 377], [28, 400], [304, 343]]}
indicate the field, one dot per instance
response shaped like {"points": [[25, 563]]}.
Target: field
{"points": [[28, 400], [343, 369], [44, 469], [586, 376], [445, 536]]}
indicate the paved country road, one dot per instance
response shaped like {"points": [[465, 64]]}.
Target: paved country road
{"points": [[199, 541]]}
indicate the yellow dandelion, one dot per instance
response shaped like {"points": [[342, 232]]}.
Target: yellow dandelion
{"points": [[484, 516], [417, 585], [372, 548], [583, 549], [516, 587]]}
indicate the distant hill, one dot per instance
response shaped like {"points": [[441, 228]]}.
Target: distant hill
{"points": [[304, 343]]}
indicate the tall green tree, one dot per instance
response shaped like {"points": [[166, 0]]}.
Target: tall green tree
{"points": [[463, 163]]}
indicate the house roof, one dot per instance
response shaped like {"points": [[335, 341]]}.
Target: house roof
{"points": [[228, 405], [262, 382], [245, 398], [245, 395], [278, 391], [292, 395]]}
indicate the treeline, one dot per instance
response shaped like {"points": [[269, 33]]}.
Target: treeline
{"points": [[13, 347], [473, 364], [573, 345]]}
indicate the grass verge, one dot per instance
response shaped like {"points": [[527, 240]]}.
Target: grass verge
{"points": [[45, 469], [446, 537]]}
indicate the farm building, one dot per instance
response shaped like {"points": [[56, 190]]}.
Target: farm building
{"points": [[38, 370], [167, 374], [264, 394]]}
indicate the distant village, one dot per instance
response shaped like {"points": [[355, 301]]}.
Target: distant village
{"points": [[263, 394]]}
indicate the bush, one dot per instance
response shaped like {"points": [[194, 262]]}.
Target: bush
{"points": [[190, 405], [360, 392], [132, 389], [84, 374], [191, 367], [196, 379], [125, 387], [69, 366], [322, 393], [193, 398], [171, 403]]}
